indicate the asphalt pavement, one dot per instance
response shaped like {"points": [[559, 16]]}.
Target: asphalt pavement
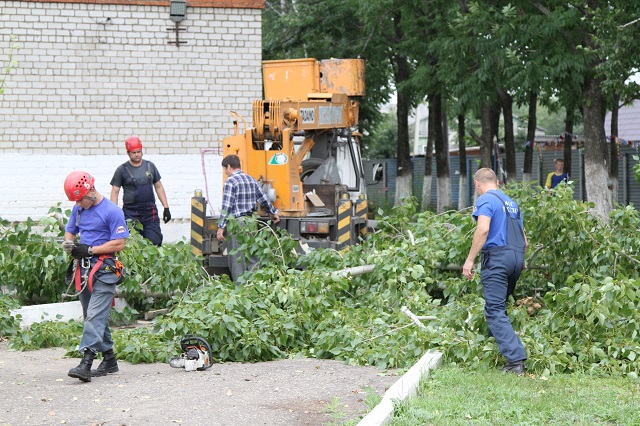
{"points": [[35, 390]]}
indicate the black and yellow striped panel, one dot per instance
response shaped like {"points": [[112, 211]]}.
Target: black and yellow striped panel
{"points": [[362, 211], [344, 224], [197, 224]]}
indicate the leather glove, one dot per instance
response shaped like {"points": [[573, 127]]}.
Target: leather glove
{"points": [[166, 215], [68, 245], [80, 251]]}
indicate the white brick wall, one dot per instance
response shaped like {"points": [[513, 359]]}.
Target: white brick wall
{"points": [[33, 183], [82, 86]]}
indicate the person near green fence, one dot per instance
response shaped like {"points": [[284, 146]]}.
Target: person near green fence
{"points": [[557, 176]]}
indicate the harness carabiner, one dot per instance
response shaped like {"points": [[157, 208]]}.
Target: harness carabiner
{"points": [[86, 265]]}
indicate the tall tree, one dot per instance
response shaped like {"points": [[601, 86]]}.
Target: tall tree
{"points": [[506, 101], [442, 161], [462, 153], [401, 73], [330, 29], [429, 26], [392, 21], [479, 71], [531, 136], [441, 144], [591, 33], [433, 132], [568, 140], [615, 148]]}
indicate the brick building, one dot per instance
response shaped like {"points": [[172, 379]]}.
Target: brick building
{"points": [[92, 72]]}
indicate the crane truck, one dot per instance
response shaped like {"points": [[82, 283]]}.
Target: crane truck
{"points": [[304, 150]]}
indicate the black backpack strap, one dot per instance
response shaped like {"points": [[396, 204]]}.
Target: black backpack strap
{"points": [[149, 174], [125, 165]]}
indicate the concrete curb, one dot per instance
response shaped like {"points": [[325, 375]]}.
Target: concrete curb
{"points": [[402, 389], [62, 311]]}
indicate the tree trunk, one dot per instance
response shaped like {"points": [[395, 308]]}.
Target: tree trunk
{"points": [[509, 139], [403, 180], [568, 140], [531, 137], [615, 149], [595, 151], [485, 138], [404, 176], [433, 132], [416, 130], [428, 172], [442, 154], [462, 153], [446, 190], [494, 113]]}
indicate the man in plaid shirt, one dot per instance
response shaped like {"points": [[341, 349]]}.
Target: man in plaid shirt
{"points": [[239, 197]]}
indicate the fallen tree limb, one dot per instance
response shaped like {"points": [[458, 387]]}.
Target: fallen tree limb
{"points": [[354, 271]]}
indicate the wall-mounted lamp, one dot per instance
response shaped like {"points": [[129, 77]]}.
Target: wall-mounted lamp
{"points": [[178, 10]]}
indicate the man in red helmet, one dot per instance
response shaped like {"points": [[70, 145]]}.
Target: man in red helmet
{"points": [[139, 178], [95, 269]]}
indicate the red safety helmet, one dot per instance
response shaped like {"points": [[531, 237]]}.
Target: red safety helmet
{"points": [[133, 143], [78, 184]]}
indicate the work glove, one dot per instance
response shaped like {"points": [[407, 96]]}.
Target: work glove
{"points": [[80, 251], [67, 246], [166, 215]]}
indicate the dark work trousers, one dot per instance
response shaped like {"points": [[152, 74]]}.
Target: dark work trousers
{"points": [[96, 306], [145, 219], [237, 262], [500, 271]]}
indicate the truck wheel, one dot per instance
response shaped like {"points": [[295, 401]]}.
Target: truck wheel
{"points": [[309, 166]]}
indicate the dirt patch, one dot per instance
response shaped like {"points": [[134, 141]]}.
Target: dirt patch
{"points": [[35, 390]]}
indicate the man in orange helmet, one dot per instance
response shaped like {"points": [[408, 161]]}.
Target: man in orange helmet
{"points": [[139, 178], [95, 269]]}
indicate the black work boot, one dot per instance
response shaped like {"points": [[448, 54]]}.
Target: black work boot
{"points": [[108, 365], [83, 371], [515, 367]]}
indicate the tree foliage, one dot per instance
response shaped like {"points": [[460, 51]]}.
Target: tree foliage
{"points": [[575, 307], [328, 29], [574, 55], [381, 141]]}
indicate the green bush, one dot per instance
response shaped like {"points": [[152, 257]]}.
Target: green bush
{"points": [[578, 300], [8, 324]]}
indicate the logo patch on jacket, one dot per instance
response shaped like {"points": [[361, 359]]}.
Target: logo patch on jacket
{"points": [[120, 230]]}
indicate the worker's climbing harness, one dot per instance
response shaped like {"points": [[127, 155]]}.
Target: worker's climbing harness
{"points": [[81, 273]]}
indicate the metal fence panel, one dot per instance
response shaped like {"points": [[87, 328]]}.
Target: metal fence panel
{"points": [[382, 194]]}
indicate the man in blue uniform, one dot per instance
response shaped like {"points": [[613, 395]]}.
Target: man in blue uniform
{"points": [[139, 178], [95, 271], [240, 194], [500, 237]]}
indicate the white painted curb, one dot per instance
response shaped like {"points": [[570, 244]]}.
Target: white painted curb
{"points": [[402, 389], [64, 312]]}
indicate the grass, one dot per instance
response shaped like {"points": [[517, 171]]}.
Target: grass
{"points": [[452, 396], [337, 410]]}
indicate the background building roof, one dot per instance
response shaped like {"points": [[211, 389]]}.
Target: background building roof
{"points": [[628, 122]]}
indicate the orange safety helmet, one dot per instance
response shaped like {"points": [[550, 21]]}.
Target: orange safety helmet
{"points": [[133, 143], [78, 184]]}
